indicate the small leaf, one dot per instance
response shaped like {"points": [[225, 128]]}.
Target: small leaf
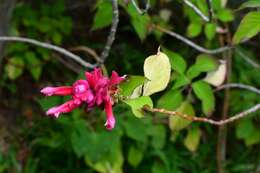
{"points": [[14, 68], [192, 140], [138, 103], [205, 93], [177, 123], [157, 69], [135, 156], [170, 100], [177, 61], [130, 84], [254, 138], [250, 4], [244, 129], [181, 80], [210, 30], [33, 65], [158, 135], [225, 15], [217, 77], [139, 22], [249, 27], [103, 16], [194, 29], [204, 63]]}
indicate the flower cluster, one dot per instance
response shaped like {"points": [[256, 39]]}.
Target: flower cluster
{"points": [[96, 90]]}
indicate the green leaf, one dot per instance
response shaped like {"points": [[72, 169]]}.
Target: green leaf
{"points": [[205, 93], [250, 4], [204, 63], [56, 38], [103, 16], [138, 103], [181, 80], [248, 28], [177, 123], [33, 65], [210, 30], [80, 139], [158, 134], [192, 140], [177, 61], [14, 68], [244, 129], [127, 87], [157, 69], [170, 100], [225, 15], [135, 156], [136, 129], [254, 138], [194, 29], [139, 22]]}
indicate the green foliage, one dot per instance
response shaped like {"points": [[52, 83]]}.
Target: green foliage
{"points": [[131, 82], [170, 100], [205, 93], [177, 123], [14, 68], [138, 103], [250, 4], [210, 30], [204, 63], [192, 139], [140, 23], [103, 16], [194, 29], [77, 141], [248, 27]]}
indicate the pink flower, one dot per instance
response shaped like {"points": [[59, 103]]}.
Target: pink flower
{"points": [[58, 91], [79, 92], [97, 90], [103, 89]]}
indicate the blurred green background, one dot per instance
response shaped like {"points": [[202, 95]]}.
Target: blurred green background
{"points": [[31, 142]]}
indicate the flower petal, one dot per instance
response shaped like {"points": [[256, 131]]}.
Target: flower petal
{"points": [[115, 79], [110, 122], [64, 108], [58, 91]]}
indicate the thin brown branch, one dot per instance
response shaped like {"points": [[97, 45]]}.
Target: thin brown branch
{"points": [[196, 10], [192, 44], [203, 119], [238, 85], [113, 29], [88, 51], [48, 46]]}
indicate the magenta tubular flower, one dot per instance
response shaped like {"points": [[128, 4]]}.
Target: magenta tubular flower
{"points": [[103, 89], [97, 90], [64, 108], [57, 91], [79, 92]]}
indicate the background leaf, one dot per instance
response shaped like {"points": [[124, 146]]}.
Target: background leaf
{"points": [[205, 93]]}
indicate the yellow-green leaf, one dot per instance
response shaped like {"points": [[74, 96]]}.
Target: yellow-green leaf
{"points": [[192, 139], [177, 123], [138, 103], [157, 69]]}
